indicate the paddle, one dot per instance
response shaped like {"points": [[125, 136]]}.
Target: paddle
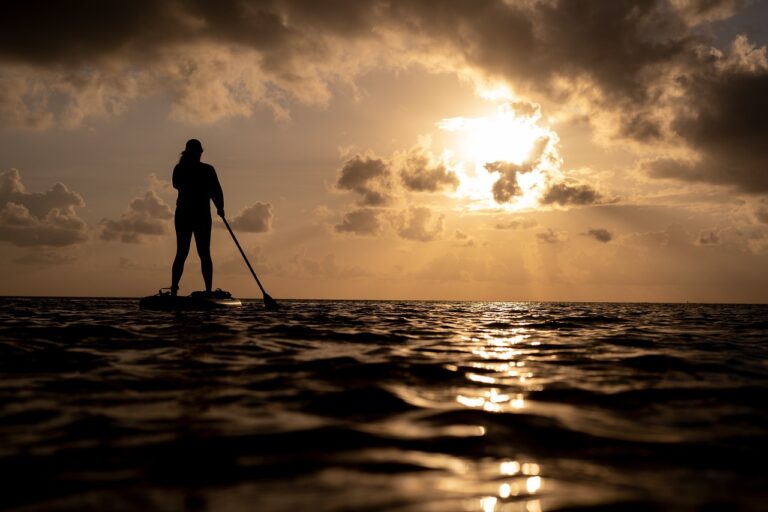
{"points": [[269, 302]]}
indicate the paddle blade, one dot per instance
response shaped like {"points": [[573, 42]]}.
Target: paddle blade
{"points": [[270, 303]]}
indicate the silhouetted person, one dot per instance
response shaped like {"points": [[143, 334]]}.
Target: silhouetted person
{"points": [[197, 184]]}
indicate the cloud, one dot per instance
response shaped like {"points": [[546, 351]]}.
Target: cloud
{"points": [[646, 68], [146, 216], [374, 178], [35, 218], [68, 65], [254, 219], [709, 238], [551, 237], [639, 70], [564, 194], [672, 168], [726, 121], [420, 173], [506, 187], [19, 227], [234, 54], [363, 221], [761, 213], [59, 197], [417, 223], [600, 234], [369, 177]]}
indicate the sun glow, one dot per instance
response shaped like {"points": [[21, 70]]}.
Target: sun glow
{"points": [[511, 136]]}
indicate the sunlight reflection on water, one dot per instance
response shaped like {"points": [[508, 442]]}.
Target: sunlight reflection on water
{"points": [[497, 382]]}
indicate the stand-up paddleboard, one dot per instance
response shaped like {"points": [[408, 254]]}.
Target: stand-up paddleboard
{"points": [[196, 301]]}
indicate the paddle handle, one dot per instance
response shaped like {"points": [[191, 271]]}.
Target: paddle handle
{"points": [[244, 256]]}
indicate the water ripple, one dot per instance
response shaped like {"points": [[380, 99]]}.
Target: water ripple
{"points": [[406, 406]]}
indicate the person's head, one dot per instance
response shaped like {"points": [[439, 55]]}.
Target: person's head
{"points": [[192, 151]]}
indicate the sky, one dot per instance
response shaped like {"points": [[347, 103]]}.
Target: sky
{"points": [[367, 149]]}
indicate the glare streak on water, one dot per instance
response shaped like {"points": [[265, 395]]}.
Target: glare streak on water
{"points": [[408, 406]]}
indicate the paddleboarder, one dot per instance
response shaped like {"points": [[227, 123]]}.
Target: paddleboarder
{"points": [[197, 184]]}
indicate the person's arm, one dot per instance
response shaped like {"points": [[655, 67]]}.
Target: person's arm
{"points": [[217, 195], [176, 177]]}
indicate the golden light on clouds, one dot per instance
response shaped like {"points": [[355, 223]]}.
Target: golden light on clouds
{"points": [[510, 142]]}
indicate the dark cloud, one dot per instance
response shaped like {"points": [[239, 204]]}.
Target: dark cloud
{"points": [[421, 175], [369, 177], [727, 122], [640, 127], [363, 221], [35, 218], [506, 188], [600, 234], [611, 43], [84, 29], [254, 219], [146, 216], [46, 32], [672, 168], [564, 194], [417, 223]]}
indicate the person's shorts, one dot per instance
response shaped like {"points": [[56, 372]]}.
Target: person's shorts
{"points": [[187, 222]]}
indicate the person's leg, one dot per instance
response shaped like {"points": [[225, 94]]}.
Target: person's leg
{"points": [[203, 244], [183, 239]]}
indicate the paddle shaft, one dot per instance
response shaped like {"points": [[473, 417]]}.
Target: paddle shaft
{"points": [[245, 257]]}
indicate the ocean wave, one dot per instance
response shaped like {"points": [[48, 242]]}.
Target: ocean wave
{"points": [[405, 406]]}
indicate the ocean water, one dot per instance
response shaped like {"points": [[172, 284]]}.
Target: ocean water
{"points": [[378, 406]]}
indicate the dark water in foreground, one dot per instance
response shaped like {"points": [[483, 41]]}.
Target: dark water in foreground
{"points": [[374, 406]]}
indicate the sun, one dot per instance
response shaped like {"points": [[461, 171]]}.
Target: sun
{"points": [[513, 134]]}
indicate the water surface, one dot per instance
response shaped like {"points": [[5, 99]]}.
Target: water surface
{"points": [[373, 406]]}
